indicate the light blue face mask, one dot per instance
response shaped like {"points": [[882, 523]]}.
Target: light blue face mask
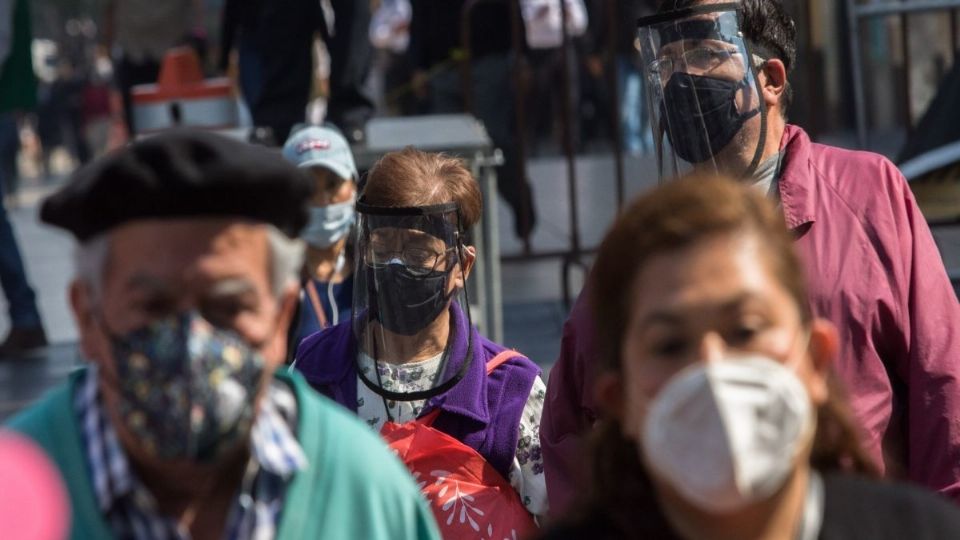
{"points": [[328, 224]]}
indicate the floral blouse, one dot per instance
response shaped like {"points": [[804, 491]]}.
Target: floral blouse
{"points": [[526, 471]]}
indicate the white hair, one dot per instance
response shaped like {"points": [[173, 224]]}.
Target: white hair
{"points": [[286, 258]]}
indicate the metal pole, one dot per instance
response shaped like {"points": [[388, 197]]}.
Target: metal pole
{"points": [[568, 149], [495, 284], [954, 47], [574, 256], [813, 77], [520, 117], [907, 68], [466, 69], [613, 23], [481, 238], [856, 68]]}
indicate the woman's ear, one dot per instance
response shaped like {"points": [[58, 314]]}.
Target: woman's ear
{"points": [[469, 258], [824, 344], [774, 82]]}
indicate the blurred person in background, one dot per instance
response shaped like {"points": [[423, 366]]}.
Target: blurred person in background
{"points": [[461, 411], [61, 121], [436, 49], [326, 296], [184, 422], [68, 93], [18, 93], [351, 53], [634, 118], [543, 22], [97, 110], [48, 120], [274, 41], [719, 95], [137, 34], [390, 35], [720, 414]]}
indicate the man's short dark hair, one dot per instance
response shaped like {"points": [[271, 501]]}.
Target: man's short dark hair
{"points": [[771, 33]]}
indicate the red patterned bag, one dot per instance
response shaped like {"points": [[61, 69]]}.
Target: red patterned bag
{"points": [[469, 498]]}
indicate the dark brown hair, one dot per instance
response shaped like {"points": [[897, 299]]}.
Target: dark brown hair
{"points": [[411, 177], [674, 216]]}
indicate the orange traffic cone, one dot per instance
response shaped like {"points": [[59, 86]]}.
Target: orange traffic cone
{"points": [[182, 97]]}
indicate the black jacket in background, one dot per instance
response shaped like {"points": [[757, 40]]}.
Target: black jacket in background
{"points": [[628, 11], [435, 30]]}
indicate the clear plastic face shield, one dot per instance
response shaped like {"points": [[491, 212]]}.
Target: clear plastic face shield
{"points": [[410, 299], [707, 112]]}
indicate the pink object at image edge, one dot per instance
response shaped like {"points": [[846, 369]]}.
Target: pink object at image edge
{"points": [[33, 501]]}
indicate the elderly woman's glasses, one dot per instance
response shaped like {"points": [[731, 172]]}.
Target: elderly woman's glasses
{"points": [[418, 260]]}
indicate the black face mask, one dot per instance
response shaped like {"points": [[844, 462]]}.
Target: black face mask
{"points": [[702, 115], [415, 300]]}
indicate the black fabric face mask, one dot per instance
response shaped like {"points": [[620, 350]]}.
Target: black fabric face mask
{"points": [[701, 114], [415, 300]]}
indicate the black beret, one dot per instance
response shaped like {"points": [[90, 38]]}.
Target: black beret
{"points": [[182, 174]]}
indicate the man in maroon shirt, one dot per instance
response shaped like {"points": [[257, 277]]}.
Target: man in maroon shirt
{"points": [[872, 264]]}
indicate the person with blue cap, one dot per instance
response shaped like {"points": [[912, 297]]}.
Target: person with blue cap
{"points": [[326, 295]]}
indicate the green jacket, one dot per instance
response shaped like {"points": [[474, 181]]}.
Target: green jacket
{"points": [[18, 84], [353, 488]]}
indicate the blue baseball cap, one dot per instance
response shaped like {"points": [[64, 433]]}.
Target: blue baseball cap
{"points": [[318, 146]]}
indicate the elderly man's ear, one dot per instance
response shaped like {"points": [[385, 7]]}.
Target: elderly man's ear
{"points": [[275, 350], [83, 305]]}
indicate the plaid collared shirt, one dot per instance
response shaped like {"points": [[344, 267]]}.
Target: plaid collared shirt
{"points": [[130, 508]]}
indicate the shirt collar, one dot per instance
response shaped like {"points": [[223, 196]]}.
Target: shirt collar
{"points": [[273, 443], [797, 187], [110, 470]]}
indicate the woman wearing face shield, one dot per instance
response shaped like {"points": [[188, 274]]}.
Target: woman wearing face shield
{"points": [[327, 293], [461, 411], [721, 417]]}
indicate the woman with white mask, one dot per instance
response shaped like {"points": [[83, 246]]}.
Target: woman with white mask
{"points": [[722, 419], [327, 293]]}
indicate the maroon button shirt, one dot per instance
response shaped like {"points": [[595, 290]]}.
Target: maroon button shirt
{"points": [[875, 272]]}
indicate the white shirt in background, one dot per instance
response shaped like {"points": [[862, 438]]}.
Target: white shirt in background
{"points": [[390, 26], [542, 19]]}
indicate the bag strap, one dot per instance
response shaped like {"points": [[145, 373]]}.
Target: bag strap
{"points": [[317, 305], [493, 364], [505, 355]]}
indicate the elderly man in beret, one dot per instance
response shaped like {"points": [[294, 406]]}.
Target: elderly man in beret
{"points": [[182, 426]]}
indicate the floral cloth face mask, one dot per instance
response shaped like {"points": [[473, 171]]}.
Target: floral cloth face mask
{"points": [[186, 389]]}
